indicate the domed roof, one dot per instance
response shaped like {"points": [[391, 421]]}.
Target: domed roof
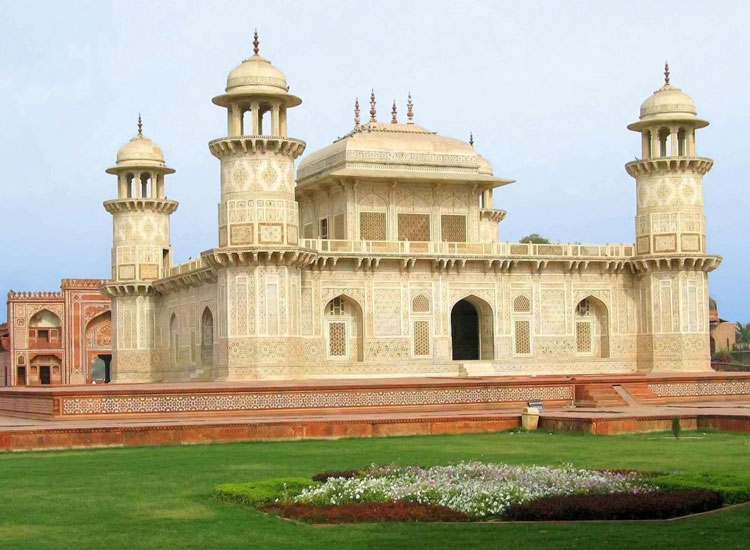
{"points": [[398, 151], [668, 103], [140, 152], [256, 76]]}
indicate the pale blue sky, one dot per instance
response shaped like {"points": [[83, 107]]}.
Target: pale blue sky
{"points": [[546, 87]]}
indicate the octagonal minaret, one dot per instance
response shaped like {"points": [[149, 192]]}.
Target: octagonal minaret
{"points": [[258, 206], [141, 253], [670, 232]]}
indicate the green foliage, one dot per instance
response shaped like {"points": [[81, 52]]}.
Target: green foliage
{"points": [[535, 238], [676, 426], [255, 493], [734, 488], [742, 334], [722, 356]]}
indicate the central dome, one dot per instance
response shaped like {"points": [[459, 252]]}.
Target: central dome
{"points": [[390, 151]]}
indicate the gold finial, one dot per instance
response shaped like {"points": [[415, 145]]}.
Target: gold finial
{"points": [[256, 43], [666, 73], [471, 139], [140, 125], [373, 112], [409, 111], [394, 119], [356, 114]]}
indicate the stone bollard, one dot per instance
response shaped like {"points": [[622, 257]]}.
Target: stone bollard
{"points": [[530, 418]]}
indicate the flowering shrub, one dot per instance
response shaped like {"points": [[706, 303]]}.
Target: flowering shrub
{"points": [[473, 488], [346, 474], [364, 512], [616, 506]]}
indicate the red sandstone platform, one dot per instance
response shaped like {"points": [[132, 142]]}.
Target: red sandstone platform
{"points": [[142, 414]]}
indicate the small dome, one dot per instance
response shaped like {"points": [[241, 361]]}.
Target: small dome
{"points": [[668, 100], [257, 73], [712, 305], [140, 150]]}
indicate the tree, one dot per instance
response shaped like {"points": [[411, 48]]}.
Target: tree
{"points": [[742, 335], [535, 238]]}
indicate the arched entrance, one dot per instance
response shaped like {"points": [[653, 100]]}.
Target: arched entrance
{"points": [[343, 329], [99, 348], [592, 328], [472, 332], [207, 338]]}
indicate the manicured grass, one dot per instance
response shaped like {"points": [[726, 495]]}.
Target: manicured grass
{"points": [[160, 497]]}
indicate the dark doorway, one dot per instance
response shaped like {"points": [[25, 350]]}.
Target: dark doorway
{"points": [[465, 331], [107, 367], [21, 377], [44, 376]]}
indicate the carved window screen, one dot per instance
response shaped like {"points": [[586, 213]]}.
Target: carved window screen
{"points": [[324, 228], [522, 304], [583, 337], [421, 338], [372, 226], [307, 231], [420, 304], [413, 227], [337, 339], [453, 228], [523, 337]]}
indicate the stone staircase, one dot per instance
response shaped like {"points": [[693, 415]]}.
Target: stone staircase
{"points": [[476, 368], [598, 395]]}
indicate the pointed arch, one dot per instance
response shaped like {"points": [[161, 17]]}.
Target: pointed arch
{"points": [[45, 329], [592, 327], [207, 337], [472, 329], [344, 330]]}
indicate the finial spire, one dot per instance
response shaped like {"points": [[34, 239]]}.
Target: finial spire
{"points": [[256, 43], [140, 125], [373, 112], [666, 73], [356, 114], [409, 111], [394, 119], [471, 139]]}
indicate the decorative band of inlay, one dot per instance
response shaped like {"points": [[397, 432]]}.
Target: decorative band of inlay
{"points": [[302, 400], [684, 389]]}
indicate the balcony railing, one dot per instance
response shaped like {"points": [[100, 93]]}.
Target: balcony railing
{"points": [[507, 249]]}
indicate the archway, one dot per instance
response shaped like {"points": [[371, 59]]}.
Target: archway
{"points": [[592, 328], [99, 347], [343, 329], [472, 332], [45, 330]]}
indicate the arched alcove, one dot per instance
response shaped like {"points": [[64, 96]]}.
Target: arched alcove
{"points": [[343, 329], [592, 328], [472, 330]]}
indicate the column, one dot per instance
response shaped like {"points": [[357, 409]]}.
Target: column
{"points": [[275, 126], [645, 145], [255, 108], [282, 122], [675, 144], [137, 185]]}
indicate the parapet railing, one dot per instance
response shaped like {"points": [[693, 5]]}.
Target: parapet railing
{"points": [[416, 248]]}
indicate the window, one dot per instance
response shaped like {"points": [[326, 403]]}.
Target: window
{"points": [[42, 335], [583, 307], [372, 226], [522, 304], [523, 337], [324, 228], [337, 339], [336, 306], [413, 227], [420, 304], [421, 338], [583, 337], [453, 228]]}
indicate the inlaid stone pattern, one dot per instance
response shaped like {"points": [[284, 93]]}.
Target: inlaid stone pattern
{"points": [[293, 400], [687, 389]]}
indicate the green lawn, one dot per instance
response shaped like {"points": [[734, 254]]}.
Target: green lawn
{"points": [[159, 497]]}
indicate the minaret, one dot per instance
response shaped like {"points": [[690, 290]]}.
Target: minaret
{"points": [[258, 206], [258, 259], [141, 253], [671, 260]]}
